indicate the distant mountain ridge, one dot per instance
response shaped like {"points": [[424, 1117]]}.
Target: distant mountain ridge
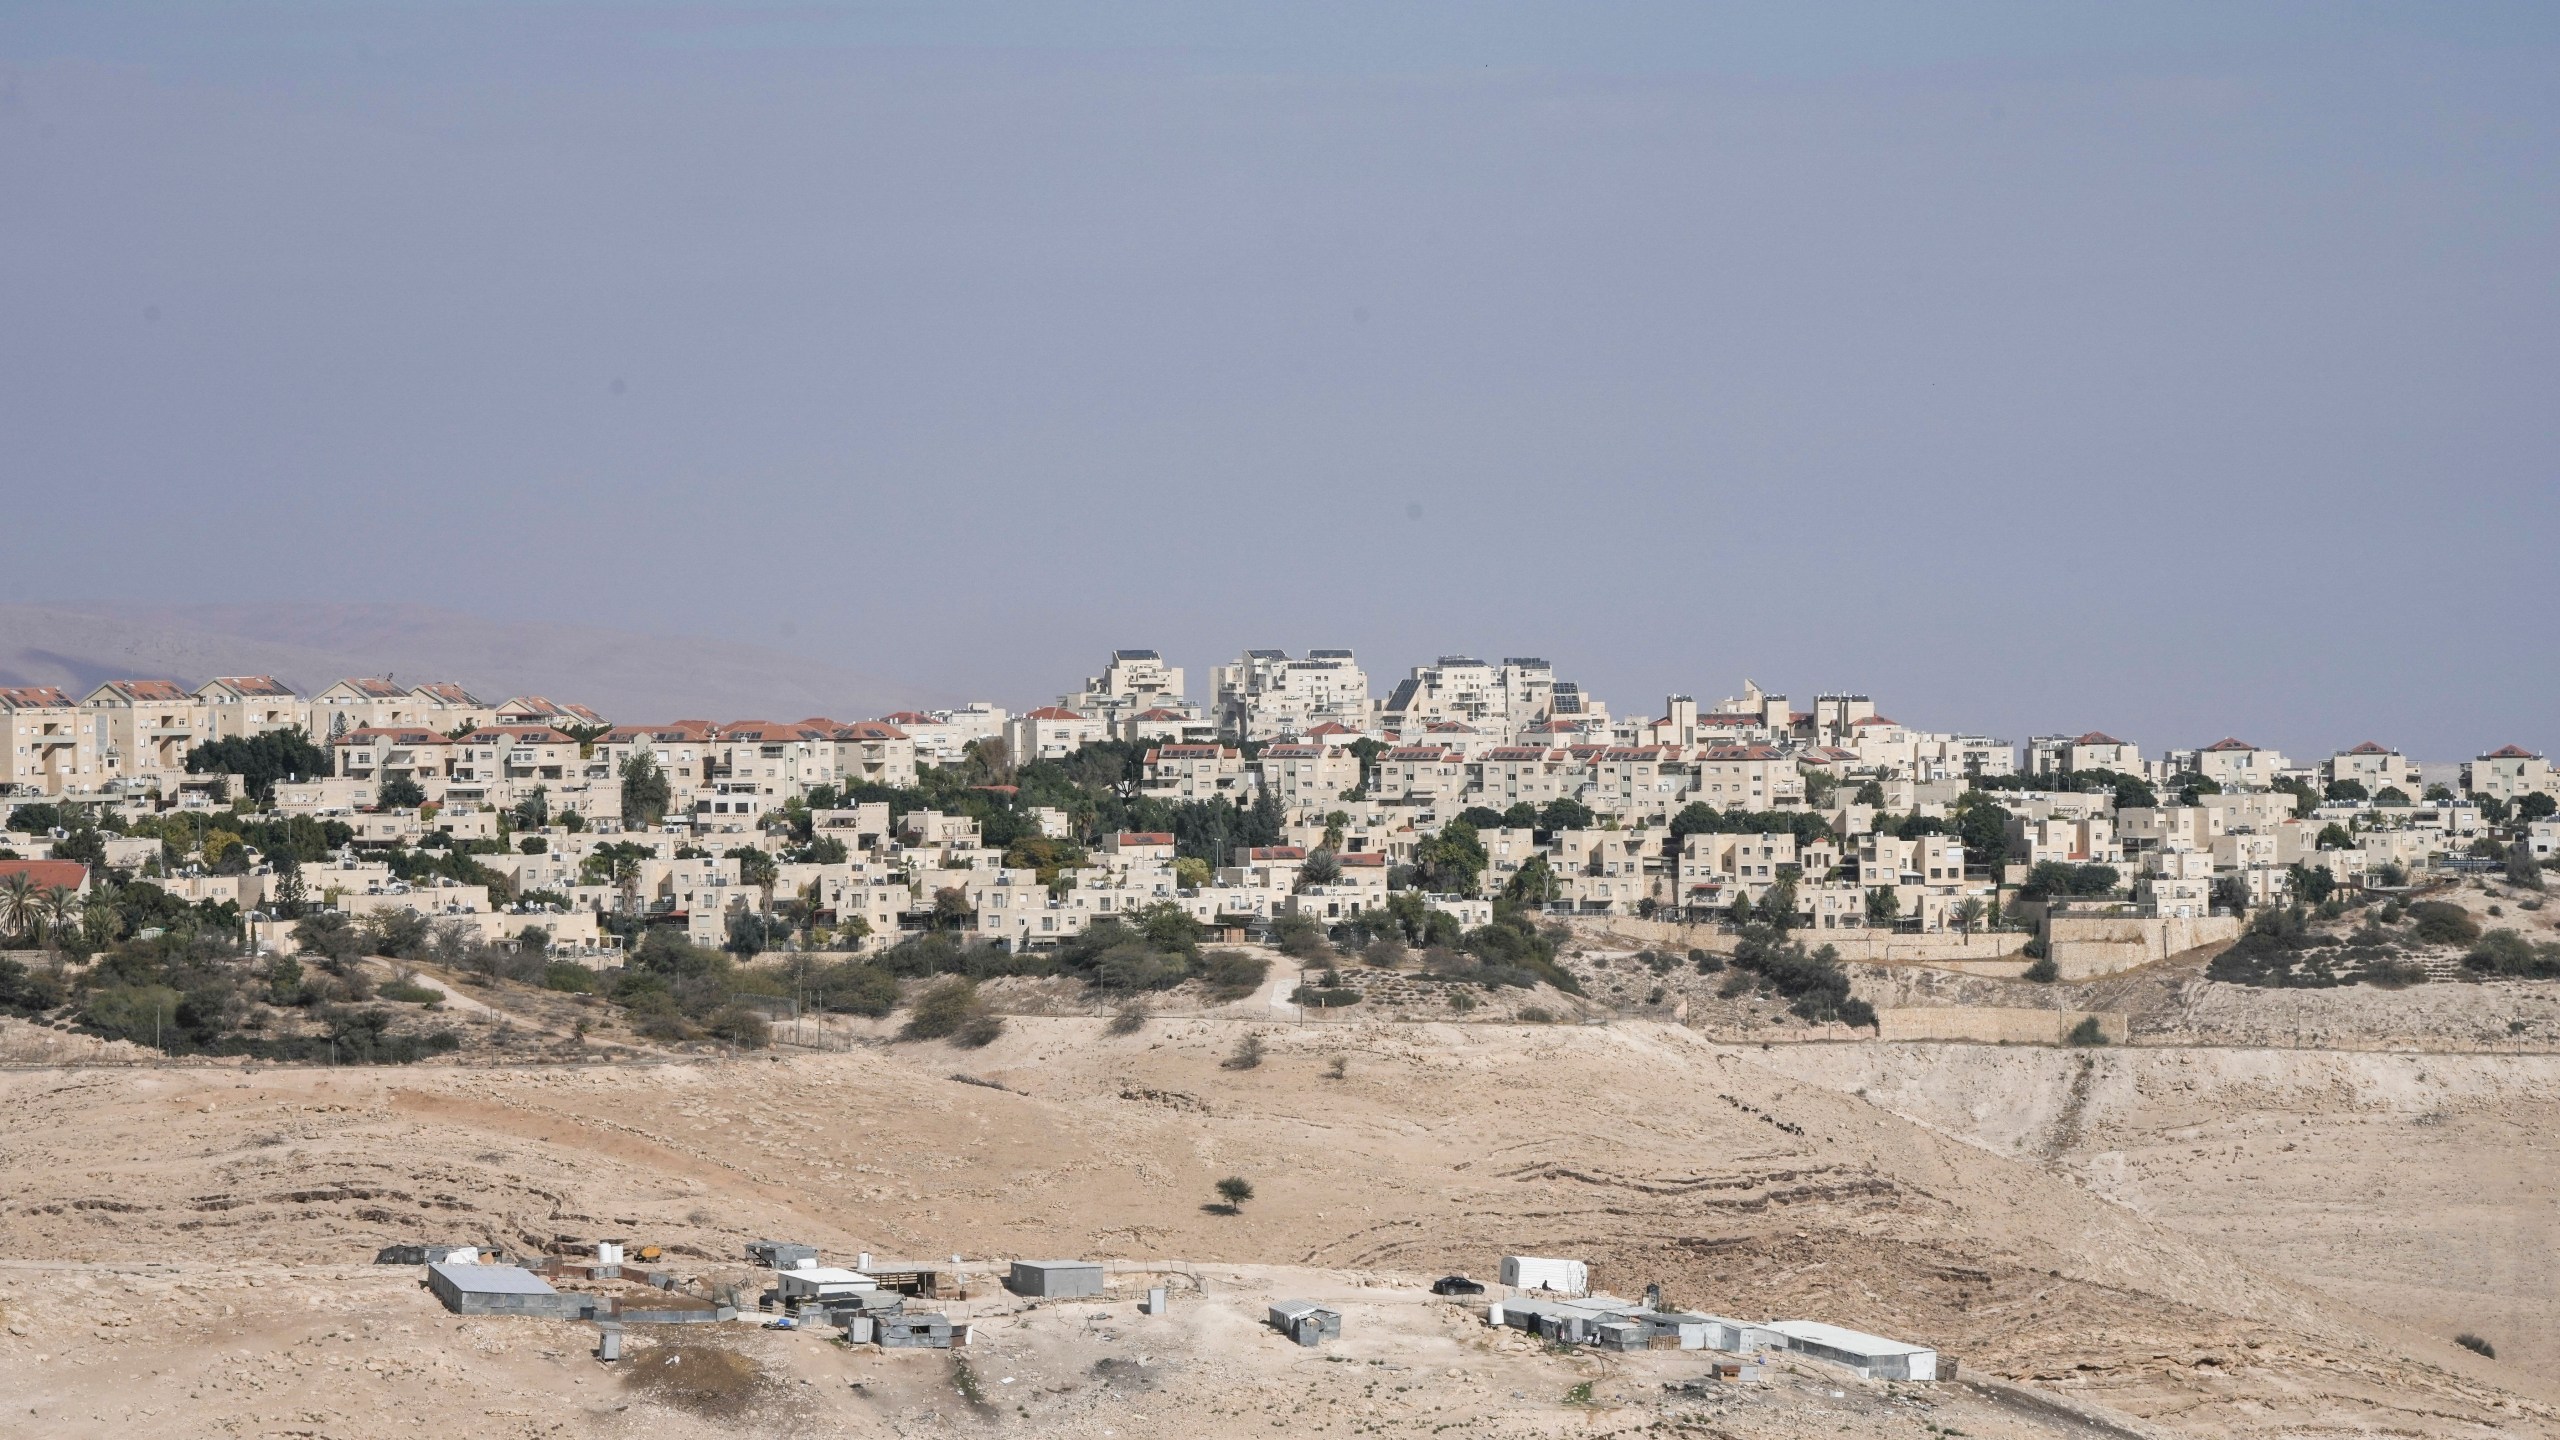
{"points": [[629, 676]]}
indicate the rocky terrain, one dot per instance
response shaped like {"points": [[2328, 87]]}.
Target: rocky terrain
{"points": [[178, 1232]]}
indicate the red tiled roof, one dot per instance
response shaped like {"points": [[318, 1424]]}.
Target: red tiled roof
{"points": [[1142, 837], [394, 735], [2227, 743], [1362, 858], [253, 684], [2370, 748], [871, 730], [2511, 752], [1161, 713], [907, 717], [156, 691], [446, 692], [1053, 712], [1332, 727], [35, 697], [1517, 752], [539, 734], [1277, 852], [2097, 737], [1871, 720], [1742, 752], [45, 874], [1292, 752], [375, 686]]}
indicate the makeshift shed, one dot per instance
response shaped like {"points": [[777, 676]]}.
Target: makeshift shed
{"points": [[1536, 1272], [1306, 1322], [427, 1255], [811, 1283], [1055, 1279], [781, 1255], [907, 1277], [503, 1290], [926, 1331], [1872, 1356]]}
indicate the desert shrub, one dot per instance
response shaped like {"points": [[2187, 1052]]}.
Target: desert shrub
{"points": [[1232, 974], [1299, 936], [1707, 964], [402, 934], [1128, 1022], [979, 1030], [1137, 966], [855, 987], [2086, 1033], [26, 992], [1537, 1015], [1815, 986], [2393, 974], [741, 1025], [1462, 1001], [2504, 952], [1323, 997], [410, 992], [330, 934], [941, 1011], [1736, 984], [569, 977], [2476, 1345], [2279, 949], [1247, 1055], [2043, 971], [2437, 923]]}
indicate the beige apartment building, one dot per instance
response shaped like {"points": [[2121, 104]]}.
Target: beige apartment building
{"points": [[874, 752], [1308, 778], [238, 706], [373, 756], [146, 727], [2509, 773], [2237, 764], [1196, 772], [2377, 768], [1427, 775], [1053, 732], [53, 746], [2094, 750], [1751, 777], [366, 703]]}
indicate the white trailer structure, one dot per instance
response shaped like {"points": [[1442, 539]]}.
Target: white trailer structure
{"points": [[1872, 1356], [1534, 1272], [819, 1282]]}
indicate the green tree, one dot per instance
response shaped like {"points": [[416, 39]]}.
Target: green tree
{"points": [[1321, 868], [2522, 868], [400, 792], [1869, 793], [1534, 883], [1234, 1191], [645, 791], [2346, 791], [20, 905], [1967, 914], [534, 811], [2334, 836], [1452, 860], [1884, 905], [756, 867], [261, 760]]}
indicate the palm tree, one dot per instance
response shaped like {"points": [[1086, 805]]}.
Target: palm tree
{"points": [[19, 907], [625, 867], [1968, 913], [61, 906], [756, 867]]}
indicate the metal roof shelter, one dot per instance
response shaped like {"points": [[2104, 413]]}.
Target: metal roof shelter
{"points": [[1055, 1279], [1872, 1356], [1306, 1322], [502, 1290], [781, 1255]]}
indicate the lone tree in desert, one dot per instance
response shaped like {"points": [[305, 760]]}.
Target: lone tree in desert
{"points": [[1234, 1191]]}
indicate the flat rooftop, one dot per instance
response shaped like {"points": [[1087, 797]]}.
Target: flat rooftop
{"points": [[493, 1279]]}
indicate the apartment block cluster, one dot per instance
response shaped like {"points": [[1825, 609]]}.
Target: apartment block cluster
{"points": [[1365, 780]]}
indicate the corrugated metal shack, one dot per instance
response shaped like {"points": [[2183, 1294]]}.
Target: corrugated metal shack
{"points": [[1539, 1272], [781, 1255], [1306, 1322], [503, 1290], [1872, 1356], [1055, 1279], [925, 1331]]}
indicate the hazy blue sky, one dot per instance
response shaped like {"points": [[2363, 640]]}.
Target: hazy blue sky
{"points": [[2172, 369]]}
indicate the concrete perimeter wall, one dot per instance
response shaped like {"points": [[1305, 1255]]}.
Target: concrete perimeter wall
{"points": [[1866, 947], [2087, 946], [1994, 1026]]}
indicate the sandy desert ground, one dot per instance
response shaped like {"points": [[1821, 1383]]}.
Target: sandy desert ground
{"points": [[185, 1244]]}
